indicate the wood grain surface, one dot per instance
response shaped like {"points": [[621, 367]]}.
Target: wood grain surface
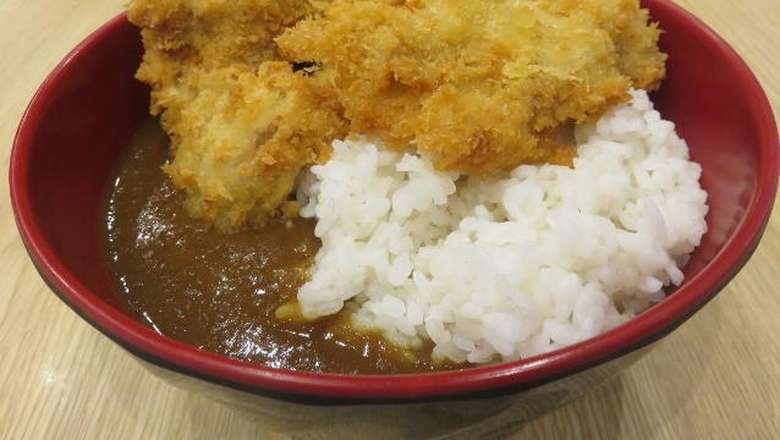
{"points": [[717, 377]]}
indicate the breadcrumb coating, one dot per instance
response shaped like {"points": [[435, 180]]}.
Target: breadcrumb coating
{"points": [[242, 125], [241, 142], [478, 86]]}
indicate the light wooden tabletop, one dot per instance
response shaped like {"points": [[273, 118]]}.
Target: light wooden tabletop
{"points": [[717, 377]]}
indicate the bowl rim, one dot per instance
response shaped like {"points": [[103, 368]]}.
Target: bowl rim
{"points": [[322, 388]]}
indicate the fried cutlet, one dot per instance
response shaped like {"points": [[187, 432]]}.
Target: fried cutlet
{"points": [[184, 37], [241, 142], [478, 86], [242, 125]]}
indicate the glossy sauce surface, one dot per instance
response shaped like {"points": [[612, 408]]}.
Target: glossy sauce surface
{"points": [[220, 292]]}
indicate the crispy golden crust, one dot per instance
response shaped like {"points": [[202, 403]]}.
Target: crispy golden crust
{"points": [[477, 84], [242, 126], [184, 37], [242, 141]]}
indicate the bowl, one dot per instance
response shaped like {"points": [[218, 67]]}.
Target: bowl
{"points": [[88, 108]]}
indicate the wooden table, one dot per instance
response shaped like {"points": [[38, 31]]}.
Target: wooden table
{"points": [[717, 377]]}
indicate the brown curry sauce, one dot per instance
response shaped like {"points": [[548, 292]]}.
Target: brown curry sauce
{"points": [[220, 292]]}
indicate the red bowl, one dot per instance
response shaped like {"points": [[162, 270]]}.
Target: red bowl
{"points": [[87, 109]]}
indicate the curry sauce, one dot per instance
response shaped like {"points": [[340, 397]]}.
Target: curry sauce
{"points": [[220, 292]]}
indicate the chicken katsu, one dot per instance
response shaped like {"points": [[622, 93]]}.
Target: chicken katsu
{"points": [[479, 87], [242, 125]]}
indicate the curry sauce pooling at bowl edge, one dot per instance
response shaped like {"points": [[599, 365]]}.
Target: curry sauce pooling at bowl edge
{"points": [[219, 292]]}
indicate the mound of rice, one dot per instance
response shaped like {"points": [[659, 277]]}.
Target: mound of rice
{"points": [[503, 269]]}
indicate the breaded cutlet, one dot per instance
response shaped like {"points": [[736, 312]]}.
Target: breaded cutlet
{"points": [[242, 124], [478, 85]]}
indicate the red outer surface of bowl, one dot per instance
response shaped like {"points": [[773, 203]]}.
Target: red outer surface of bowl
{"points": [[89, 106]]}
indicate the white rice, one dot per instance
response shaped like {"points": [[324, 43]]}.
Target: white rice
{"points": [[510, 268]]}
